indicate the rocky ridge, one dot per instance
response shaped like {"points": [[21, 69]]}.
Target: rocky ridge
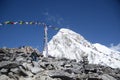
{"points": [[18, 64]]}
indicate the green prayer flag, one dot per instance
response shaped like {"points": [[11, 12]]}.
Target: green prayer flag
{"points": [[7, 22], [31, 22], [21, 22]]}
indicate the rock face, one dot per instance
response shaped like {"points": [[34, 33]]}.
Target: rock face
{"points": [[19, 64]]}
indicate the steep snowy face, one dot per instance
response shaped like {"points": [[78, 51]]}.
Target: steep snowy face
{"points": [[72, 45]]}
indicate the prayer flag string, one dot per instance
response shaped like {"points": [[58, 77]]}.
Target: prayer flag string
{"points": [[33, 23], [27, 23]]}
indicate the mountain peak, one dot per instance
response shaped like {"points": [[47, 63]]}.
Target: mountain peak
{"points": [[65, 30], [69, 44]]}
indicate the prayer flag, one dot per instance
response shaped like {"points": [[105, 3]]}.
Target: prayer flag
{"points": [[1, 24], [32, 22], [11, 23], [26, 22], [15, 22], [21, 22], [7, 22]]}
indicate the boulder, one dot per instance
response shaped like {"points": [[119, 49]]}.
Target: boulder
{"points": [[94, 76], [60, 74], [36, 70], [39, 77], [82, 76], [4, 71], [4, 77], [15, 70], [107, 77], [46, 66], [8, 64]]}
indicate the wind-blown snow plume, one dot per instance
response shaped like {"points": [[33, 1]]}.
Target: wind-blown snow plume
{"points": [[115, 47]]}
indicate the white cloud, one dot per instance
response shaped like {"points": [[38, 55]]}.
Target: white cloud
{"points": [[53, 18], [115, 47]]}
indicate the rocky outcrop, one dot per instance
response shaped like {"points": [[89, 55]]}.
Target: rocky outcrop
{"points": [[20, 64]]}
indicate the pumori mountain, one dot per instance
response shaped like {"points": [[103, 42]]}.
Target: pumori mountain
{"points": [[69, 44]]}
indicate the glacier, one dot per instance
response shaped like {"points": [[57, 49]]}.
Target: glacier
{"points": [[69, 44]]}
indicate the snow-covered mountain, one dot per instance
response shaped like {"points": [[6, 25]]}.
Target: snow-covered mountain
{"points": [[69, 44]]}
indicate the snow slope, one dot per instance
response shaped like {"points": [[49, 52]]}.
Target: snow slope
{"points": [[69, 44]]}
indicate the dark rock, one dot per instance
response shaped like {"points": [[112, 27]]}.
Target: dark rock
{"points": [[47, 66], [68, 66], [2, 51], [69, 70], [94, 76], [4, 71], [20, 51], [60, 74], [8, 64], [58, 64], [72, 70], [22, 71], [63, 59], [90, 68], [15, 70]]}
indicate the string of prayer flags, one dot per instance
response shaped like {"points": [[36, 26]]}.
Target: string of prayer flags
{"points": [[34, 23], [27, 22]]}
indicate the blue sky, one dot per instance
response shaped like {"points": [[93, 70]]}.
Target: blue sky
{"points": [[96, 20]]}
